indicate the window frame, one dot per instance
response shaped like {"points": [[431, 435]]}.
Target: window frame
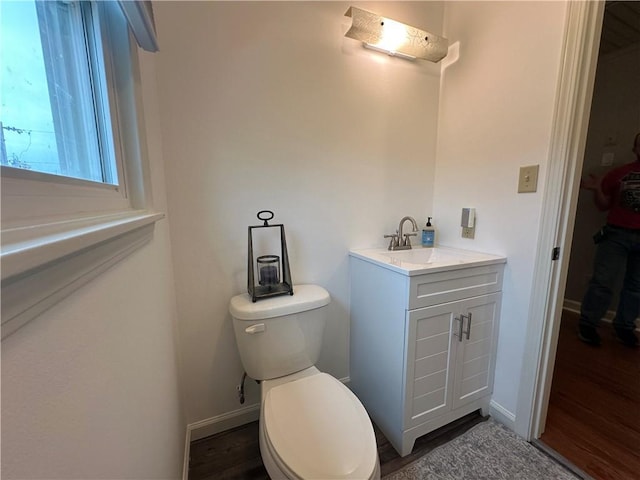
{"points": [[58, 233]]}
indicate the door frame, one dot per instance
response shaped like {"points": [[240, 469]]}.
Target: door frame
{"points": [[566, 152]]}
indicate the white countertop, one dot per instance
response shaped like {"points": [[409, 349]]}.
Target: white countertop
{"points": [[419, 260]]}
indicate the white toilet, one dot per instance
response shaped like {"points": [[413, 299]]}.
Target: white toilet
{"points": [[311, 425]]}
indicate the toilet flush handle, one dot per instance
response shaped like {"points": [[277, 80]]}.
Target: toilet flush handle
{"points": [[257, 328]]}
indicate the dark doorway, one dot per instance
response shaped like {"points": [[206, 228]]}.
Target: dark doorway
{"points": [[593, 418]]}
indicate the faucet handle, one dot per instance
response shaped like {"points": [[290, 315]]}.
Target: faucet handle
{"points": [[394, 240], [406, 241]]}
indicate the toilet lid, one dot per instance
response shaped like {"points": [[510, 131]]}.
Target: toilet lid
{"points": [[319, 429]]}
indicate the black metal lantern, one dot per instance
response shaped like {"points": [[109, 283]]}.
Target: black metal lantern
{"points": [[271, 270]]}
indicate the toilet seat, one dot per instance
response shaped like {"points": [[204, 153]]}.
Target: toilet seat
{"points": [[315, 427]]}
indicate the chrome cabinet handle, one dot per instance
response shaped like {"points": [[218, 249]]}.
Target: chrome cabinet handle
{"points": [[461, 326], [461, 331], [468, 332]]}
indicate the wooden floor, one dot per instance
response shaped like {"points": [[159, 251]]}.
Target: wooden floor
{"points": [[594, 411], [236, 453]]}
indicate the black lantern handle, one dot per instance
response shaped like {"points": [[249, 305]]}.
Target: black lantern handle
{"points": [[266, 218]]}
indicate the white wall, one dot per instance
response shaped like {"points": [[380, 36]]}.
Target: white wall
{"points": [[90, 388], [268, 106], [496, 110]]}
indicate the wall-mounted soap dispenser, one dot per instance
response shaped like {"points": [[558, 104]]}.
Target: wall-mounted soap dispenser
{"points": [[428, 235]]}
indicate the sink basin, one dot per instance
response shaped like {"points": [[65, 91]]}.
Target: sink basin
{"points": [[418, 261], [425, 255]]}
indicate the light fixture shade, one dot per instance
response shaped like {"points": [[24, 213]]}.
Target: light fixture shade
{"points": [[392, 36]]}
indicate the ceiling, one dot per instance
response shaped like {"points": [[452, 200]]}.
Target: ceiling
{"points": [[621, 26]]}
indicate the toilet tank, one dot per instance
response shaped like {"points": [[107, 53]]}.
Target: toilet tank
{"points": [[280, 335]]}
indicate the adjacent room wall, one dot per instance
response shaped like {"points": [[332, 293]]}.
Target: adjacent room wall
{"points": [[267, 106], [90, 388], [614, 123], [496, 110]]}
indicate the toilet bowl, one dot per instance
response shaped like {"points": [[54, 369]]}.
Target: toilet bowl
{"points": [[311, 425]]}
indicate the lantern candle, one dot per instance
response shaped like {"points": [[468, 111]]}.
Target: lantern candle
{"points": [[268, 269]]}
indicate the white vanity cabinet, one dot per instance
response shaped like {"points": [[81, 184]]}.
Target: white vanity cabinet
{"points": [[423, 341]]}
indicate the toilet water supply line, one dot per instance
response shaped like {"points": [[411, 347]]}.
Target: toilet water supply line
{"points": [[240, 388]]}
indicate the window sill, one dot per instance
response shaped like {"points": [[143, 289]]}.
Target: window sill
{"points": [[41, 265]]}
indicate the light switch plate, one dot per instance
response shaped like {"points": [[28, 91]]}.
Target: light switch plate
{"points": [[607, 159], [528, 180], [468, 218]]}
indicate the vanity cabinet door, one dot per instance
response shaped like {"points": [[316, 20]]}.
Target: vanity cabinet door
{"points": [[428, 392], [449, 364], [475, 351]]}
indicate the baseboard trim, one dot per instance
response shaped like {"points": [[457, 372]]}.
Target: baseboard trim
{"points": [[502, 415], [220, 423], [573, 306], [187, 454], [235, 418], [211, 426]]}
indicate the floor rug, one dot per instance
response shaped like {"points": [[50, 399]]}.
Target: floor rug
{"points": [[488, 451]]}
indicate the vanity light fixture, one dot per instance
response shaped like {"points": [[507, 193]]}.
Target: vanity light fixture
{"points": [[394, 38]]}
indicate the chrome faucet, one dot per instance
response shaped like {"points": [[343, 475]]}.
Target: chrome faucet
{"points": [[400, 240]]}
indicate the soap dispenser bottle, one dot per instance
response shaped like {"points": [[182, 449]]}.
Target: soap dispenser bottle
{"points": [[428, 235]]}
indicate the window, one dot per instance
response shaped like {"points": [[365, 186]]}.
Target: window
{"points": [[74, 193], [55, 110], [66, 137]]}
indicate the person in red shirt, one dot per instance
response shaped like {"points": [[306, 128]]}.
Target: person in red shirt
{"points": [[618, 250]]}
